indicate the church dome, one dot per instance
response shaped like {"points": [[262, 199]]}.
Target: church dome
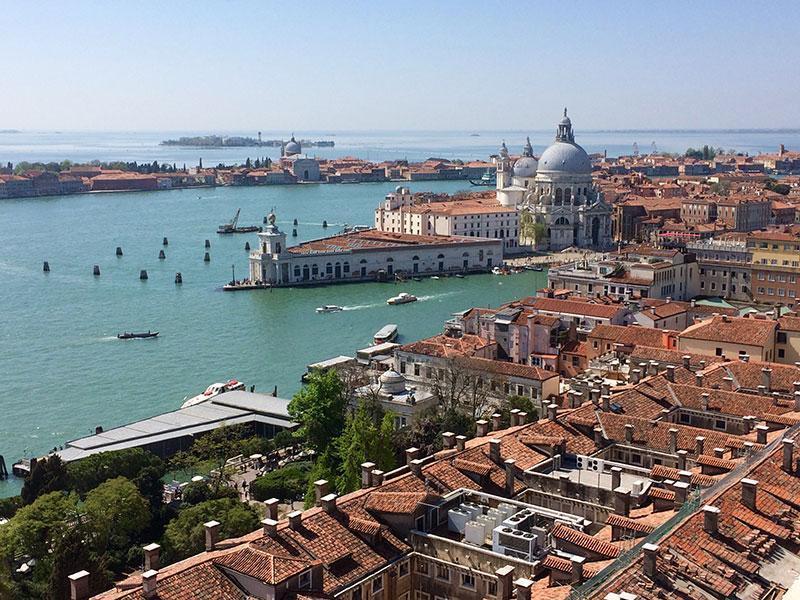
{"points": [[392, 382], [565, 157], [293, 147], [525, 167]]}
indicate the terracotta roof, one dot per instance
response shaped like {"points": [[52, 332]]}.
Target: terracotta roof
{"points": [[705, 460], [660, 493], [573, 307], [733, 330], [506, 368], [630, 524], [660, 472], [584, 540], [447, 347], [378, 240]]}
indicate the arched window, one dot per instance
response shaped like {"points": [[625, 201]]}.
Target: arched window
{"points": [[363, 261], [567, 195], [314, 270], [346, 267], [329, 268], [465, 254], [562, 221], [390, 259], [297, 270], [559, 197], [415, 258], [440, 256]]}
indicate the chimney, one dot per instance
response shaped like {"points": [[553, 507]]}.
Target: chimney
{"points": [[151, 552], [788, 454], [682, 459], [594, 395], [745, 358], [796, 385], [494, 450], [685, 476], [523, 587], [605, 401], [673, 440], [272, 508], [710, 519], [79, 585], [698, 379], [321, 488], [749, 423], [702, 365], [505, 577], [635, 375], [719, 452], [328, 503], [681, 489], [616, 477], [727, 383], [704, 400], [411, 454], [577, 569], [416, 466], [605, 389], [761, 434], [797, 400], [461, 442], [481, 428], [149, 583], [552, 411], [671, 373], [749, 492], [598, 437], [366, 474], [699, 442], [448, 440], [295, 518], [766, 378], [514, 417], [522, 417], [629, 433], [270, 527], [622, 501], [212, 534], [762, 390], [687, 360], [652, 368], [509, 463], [650, 551], [497, 421], [376, 477]]}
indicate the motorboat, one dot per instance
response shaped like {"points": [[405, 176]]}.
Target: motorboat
{"points": [[329, 308], [459, 275], [402, 298], [497, 271], [129, 335], [434, 277], [487, 179], [215, 389], [387, 333]]}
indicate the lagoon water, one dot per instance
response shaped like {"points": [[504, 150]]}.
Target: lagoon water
{"points": [[63, 370]]}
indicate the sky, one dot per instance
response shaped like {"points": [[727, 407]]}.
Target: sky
{"points": [[380, 65]]}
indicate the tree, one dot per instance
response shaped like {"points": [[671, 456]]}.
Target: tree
{"points": [[458, 387], [319, 408], [286, 483], [367, 437], [185, 534], [74, 552], [520, 402], [88, 473], [48, 475], [118, 511], [214, 449]]}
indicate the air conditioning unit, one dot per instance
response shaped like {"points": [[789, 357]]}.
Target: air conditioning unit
{"points": [[496, 515], [507, 509], [473, 509], [457, 519], [588, 463], [515, 543], [475, 533]]}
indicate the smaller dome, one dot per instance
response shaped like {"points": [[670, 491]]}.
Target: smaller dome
{"points": [[392, 382], [525, 167], [293, 147]]}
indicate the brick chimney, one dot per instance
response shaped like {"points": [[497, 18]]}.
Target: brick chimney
{"points": [[761, 434], [149, 581], [448, 440], [552, 411], [576, 562], [272, 508], [681, 489], [598, 436], [705, 398], [481, 428], [328, 504], [376, 477], [497, 421], [270, 527], [629, 433], [212, 534], [670, 373], [766, 378], [494, 450], [505, 585], [616, 477], [461, 442], [673, 440], [788, 455], [622, 501], [719, 452], [710, 519], [649, 552], [510, 480], [295, 519], [687, 361], [523, 587], [79, 585], [151, 557], [416, 466], [682, 459], [366, 474], [749, 492], [321, 488], [699, 443]]}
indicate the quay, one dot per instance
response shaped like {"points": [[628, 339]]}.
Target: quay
{"points": [[170, 432]]}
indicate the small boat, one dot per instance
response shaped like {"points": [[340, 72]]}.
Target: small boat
{"points": [[129, 335], [434, 277], [417, 278], [487, 179], [215, 389], [329, 308], [233, 226], [538, 268], [402, 298], [497, 271], [459, 275], [387, 333]]}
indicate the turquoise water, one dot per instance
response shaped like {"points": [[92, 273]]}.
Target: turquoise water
{"points": [[61, 366]]}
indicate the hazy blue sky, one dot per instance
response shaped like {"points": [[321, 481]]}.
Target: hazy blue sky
{"points": [[398, 65]]}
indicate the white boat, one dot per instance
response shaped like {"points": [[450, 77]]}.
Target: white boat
{"points": [[215, 389], [402, 298], [387, 333], [434, 277], [329, 308]]}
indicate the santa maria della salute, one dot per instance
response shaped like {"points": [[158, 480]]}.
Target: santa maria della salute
{"points": [[559, 205]]}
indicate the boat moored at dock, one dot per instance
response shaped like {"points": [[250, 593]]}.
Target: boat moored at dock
{"points": [[215, 389], [387, 333]]}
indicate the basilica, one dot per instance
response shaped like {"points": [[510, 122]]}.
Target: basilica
{"points": [[558, 202]]}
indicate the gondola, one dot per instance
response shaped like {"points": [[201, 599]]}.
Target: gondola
{"points": [[129, 335]]}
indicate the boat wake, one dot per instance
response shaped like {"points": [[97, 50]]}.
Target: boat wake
{"points": [[436, 296], [108, 338], [362, 306]]}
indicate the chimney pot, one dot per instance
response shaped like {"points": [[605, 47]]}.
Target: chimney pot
{"points": [[295, 518], [270, 527], [705, 397], [629, 433], [366, 474], [671, 373], [698, 379], [321, 488], [788, 454], [719, 452], [482, 428], [411, 454], [376, 477], [79, 585], [635, 375], [766, 378], [761, 434], [149, 583], [699, 443], [416, 466], [151, 557], [497, 421], [212, 534], [448, 440], [650, 551], [605, 401], [494, 450], [328, 503], [461, 442], [711, 519], [552, 411], [687, 360], [272, 508]]}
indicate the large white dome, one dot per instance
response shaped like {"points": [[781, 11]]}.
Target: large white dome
{"points": [[565, 157], [293, 147], [525, 167]]}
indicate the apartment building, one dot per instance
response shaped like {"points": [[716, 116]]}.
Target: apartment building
{"points": [[724, 267], [775, 264]]}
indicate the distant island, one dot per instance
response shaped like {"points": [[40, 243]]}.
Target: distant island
{"points": [[218, 141], [10, 131]]}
